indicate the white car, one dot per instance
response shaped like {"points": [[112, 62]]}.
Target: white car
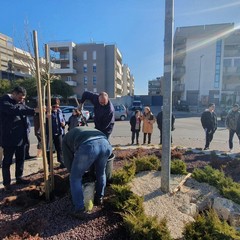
{"points": [[67, 112]]}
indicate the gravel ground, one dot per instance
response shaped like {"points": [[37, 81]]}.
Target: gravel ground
{"points": [[51, 220]]}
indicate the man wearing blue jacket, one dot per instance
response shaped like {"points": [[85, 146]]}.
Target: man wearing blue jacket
{"points": [[13, 124], [103, 111]]}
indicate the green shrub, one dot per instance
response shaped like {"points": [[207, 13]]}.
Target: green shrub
{"points": [[227, 187], [209, 227], [147, 163], [124, 175], [142, 228], [126, 200], [232, 193], [178, 167]]}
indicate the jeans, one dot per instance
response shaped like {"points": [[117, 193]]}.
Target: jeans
{"points": [[8, 153], [91, 152], [231, 134]]}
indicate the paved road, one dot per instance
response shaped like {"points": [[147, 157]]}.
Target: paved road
{"points": [[188, 132]]}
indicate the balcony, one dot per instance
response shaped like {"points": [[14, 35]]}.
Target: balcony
{"points": [[63, 71], [179, 87], [231, 71], [71, 83], [179, 71]]}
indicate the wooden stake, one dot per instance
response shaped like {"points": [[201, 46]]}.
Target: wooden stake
{"points": [[41, 113], [49, 114]]}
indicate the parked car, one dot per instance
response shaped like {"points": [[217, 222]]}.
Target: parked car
{"points": [[90, 108], [67, 112], [120, 112], [182, 106]]}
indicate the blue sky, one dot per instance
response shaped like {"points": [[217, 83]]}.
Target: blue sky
{"points": [[135, 26]]}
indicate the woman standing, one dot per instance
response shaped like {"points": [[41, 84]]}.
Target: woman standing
{"points": [[148, 121], [135, 122]]}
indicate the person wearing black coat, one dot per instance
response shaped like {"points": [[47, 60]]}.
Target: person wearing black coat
{"points": [[13, 123], [209, 124], [135, 122], [159, 123]]}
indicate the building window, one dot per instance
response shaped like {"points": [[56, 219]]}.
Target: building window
{"points": [[218, 64], [94, 67], [94, 80], [69, 78], [85, 55], [85, 80], [227, 62], [94, 55], [85, 68], [237, 62], [94, 89]]}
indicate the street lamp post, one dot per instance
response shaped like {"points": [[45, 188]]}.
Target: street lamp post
{"points": [[199, 81]]}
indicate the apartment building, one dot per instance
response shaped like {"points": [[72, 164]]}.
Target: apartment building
{"points": [[155, 86], [128, 81], [16, 63], [94, 67], [207, 64]]}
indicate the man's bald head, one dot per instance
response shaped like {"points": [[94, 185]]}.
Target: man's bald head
{"points": [[103, 98]]}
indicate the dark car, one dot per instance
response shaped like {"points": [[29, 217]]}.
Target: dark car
{"points": [[182, 106]]}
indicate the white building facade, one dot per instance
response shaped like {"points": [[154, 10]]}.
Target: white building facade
{"points": [[206, 64]]}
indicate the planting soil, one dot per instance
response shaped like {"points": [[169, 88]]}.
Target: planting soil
{"points": [[26, 215]]}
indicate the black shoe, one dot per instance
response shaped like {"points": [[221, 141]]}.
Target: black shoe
{"points": [[29, 157], [98, 201], [61, 165], [79, 214], [22, 181], [7, 188]]}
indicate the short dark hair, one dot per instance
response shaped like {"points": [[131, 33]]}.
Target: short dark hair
{"points": [[19, 89], [137, 111], [211, 104]]}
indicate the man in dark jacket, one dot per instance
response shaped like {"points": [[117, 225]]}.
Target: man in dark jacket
{"points": [[159, 123], [232, 123], [103, 111], [13, 125], [209, 124]]}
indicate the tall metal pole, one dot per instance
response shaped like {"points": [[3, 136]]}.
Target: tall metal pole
{"points": [[41, 111], [199, 82], [167, 96]]}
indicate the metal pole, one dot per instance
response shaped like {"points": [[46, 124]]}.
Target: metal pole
{"points": [[167, 96], [49, 110], [41, 111], [199, 81]]}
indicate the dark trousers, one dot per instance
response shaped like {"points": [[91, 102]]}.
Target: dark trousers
{"points": [[7, 161], [231, 135], [57, 141], [161, 136], [145, 136], [135, 133], [209, 137]]}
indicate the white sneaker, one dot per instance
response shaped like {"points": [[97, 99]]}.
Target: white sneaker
{"points": [[230, 150]]}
